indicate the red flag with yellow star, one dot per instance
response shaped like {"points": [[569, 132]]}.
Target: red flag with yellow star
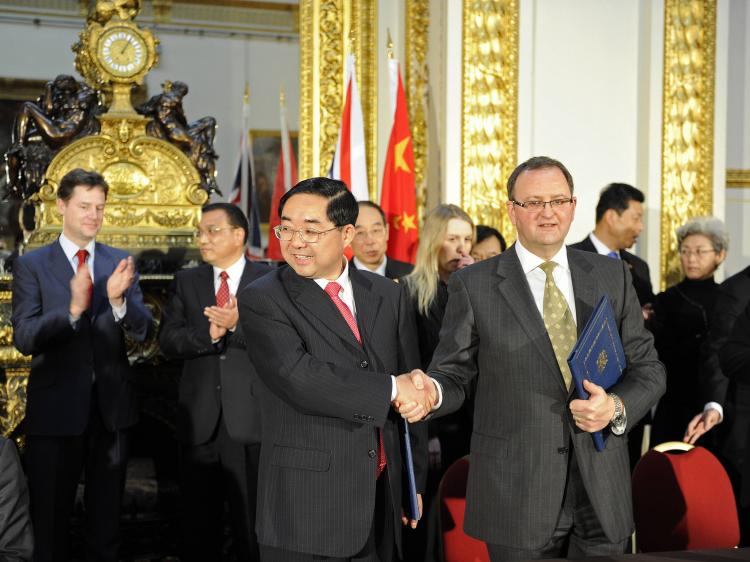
{"points": [[398, 197]]}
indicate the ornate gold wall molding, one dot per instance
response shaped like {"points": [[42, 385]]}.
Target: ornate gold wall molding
{"points": [[490, 109], [738, 178], [364, 30], [687, 122], [328, 29], [416, 41]]}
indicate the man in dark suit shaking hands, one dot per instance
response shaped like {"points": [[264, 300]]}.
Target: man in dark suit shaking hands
{"points": [[537, 487], [327, 339], [73, 302], [218, 423]]}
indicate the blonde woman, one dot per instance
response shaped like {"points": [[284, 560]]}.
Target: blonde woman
{"points": [[444, 246]]}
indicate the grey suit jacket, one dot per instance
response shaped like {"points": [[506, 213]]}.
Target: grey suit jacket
{"points": [[217, 379], [323, 395], [523, 428]]}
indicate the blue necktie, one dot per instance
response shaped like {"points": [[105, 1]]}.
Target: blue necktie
{"points": [[614, 254]]}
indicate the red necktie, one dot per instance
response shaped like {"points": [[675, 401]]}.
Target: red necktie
{"points": [[222, 295], [333, 289], [82, 255]]}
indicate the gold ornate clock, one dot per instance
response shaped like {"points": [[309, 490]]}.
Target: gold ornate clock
{"points": [[114, 54], [123, 52]]}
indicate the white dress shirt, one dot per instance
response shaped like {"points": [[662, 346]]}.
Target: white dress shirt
{"points": [[380, 270], [536, 277], [234, 273], [601, 247]]}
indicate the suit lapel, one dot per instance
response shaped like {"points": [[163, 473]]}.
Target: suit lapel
{"points": [[310, 297], [584, 289], [204, 286], [104, 265], [60, 266], [515, 288], [367, 303]]}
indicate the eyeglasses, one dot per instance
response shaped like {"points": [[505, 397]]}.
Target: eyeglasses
{"points": [[539, 205], [698, 252], [375, 234], [211, 231], [307, 235]]}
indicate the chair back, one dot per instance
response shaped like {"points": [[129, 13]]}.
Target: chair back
{"points": [[457, 545], [683, 501]]}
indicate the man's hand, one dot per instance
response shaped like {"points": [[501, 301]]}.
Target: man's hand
{"points": [[226, 316], [595, 413], [700, 424], [413, 522], [121, 278], [80, 291], [415, 395]]}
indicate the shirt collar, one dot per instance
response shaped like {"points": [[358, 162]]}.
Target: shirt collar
{"points": [[70, 248], [530, 261], [380, 270], [342, 279], [234, 271], [600, 246]]}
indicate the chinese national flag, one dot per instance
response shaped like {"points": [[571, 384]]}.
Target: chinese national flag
{"points": [[398, 197]]}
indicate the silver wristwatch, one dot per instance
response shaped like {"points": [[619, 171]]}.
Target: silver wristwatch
{"points": [[619, 420]]}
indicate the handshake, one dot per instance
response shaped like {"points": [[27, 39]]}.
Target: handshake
{"points": [[416, 395]]}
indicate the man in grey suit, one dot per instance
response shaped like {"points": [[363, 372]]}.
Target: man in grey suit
{"points": [[537, 486], [326, 340]]}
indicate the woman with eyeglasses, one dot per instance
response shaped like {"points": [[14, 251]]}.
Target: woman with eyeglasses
{"points": [[680, 324]]}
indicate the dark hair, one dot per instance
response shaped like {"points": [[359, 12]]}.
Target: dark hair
{"points": [[342, 206], [617, 196], [234, 214], [538, 163], [373, 206], [484, 232], [79, 176]]}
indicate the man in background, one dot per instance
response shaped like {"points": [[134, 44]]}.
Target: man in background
{"points": [[218, 418], [371, 241], [619, 221], [74, 301]]}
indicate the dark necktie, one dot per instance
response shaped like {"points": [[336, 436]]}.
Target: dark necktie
{"points": [[333, 289], [222, 295], [82, 255]]}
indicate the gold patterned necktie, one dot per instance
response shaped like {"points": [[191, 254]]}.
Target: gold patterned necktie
{"points": [[558, 319]]}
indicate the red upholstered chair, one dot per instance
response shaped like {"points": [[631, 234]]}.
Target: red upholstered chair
{"points": [[683, 500], [457, 545]]}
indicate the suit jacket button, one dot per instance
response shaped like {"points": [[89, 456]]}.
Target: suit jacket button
{"points": [[372, 454], [218, 387], [364, 364]]}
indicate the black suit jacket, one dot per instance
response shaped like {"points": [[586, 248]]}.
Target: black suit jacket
{"points": [[394, 269], [64, 356], [325, 394], [638, 270], [493, 331], [729, 390], [217, 379], [16, 537]]}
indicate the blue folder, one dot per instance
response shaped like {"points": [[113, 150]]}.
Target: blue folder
{"points": [[411, 481], [598, 355]]}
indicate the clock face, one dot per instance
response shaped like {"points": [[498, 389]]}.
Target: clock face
{"points": [[122, 52]]}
